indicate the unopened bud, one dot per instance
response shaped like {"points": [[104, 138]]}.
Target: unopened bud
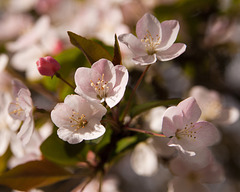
{"points": [[47, 66]]}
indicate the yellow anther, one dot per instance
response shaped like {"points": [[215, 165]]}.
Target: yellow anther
{"points": [[151, 43], [78, 121], [101, 87]]}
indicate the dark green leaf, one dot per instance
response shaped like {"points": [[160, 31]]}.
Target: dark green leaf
{"points": [[147, 106], [59, 151], [33, 174], [92, 50], [117, 58]]}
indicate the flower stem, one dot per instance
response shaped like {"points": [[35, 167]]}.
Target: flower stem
{"points": [[134, 91], [144, 131], [60, 77], [100, 182]]}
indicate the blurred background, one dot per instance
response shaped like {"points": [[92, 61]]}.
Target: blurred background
{"points": [[30, 29]]}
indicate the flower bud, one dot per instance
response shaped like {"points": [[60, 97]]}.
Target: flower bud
{"points": [[47, 66]]}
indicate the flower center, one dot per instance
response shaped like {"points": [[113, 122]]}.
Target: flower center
{"points": [[188, 131], [18, 110], [151, 43], [100, 87], [77, 121]]}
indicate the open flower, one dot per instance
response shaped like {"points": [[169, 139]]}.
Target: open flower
{"points": [[154, 40], [22, 108], [188, 178], [78, 119], [212, 105], [103, 82], [188, 135]]}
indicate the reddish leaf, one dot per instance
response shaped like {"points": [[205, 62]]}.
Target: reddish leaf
{"points": [[33, 174]]}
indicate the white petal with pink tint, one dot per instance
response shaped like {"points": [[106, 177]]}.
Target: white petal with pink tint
{"points": [[102, 82], [172, 52], [154, 40], [188, 135], [22, 108], [170, 30], [78, 119]]}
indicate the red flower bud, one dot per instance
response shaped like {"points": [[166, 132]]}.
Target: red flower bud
{"points": [[47, 66]]}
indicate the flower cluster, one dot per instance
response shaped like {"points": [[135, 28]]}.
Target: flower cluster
{"points": [[68, 114]]}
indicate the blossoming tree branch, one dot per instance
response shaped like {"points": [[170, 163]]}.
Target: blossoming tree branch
{"points": [[97, 122]]}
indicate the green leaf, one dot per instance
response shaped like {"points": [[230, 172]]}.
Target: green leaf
{"points": [[33, 174], [92, 50], [127, 143], [117, 58], [136, 110], [61, 152]]}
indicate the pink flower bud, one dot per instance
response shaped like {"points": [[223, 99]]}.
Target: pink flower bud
{"points": [[47, 66]]}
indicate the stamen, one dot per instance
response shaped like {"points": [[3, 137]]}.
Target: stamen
{"points": [[188, 131], [151, 43], [18, 110], [77, 121], [100, 87]]}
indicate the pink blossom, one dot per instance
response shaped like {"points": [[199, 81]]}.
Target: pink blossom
{"points": [[181, 124], [78, 119], [47, 66], [213, 106], [188, 178], [154, 40], [103, 82], [22, 108]]}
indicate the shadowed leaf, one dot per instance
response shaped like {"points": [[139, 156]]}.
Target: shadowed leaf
{"points": [[92, 50], [33, 174], [117, 58]]}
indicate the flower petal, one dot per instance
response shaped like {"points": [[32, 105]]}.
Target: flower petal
{"points": [[59, 115], [5, 136], [181, 184], [227, 116], [17, 85], [82, 80], [145, 60], [16, 146], [172, 121], [174, 142], [199, 135], [170, 30], [93, 130], [133, 43], [106, 68], [148, 24], [206, 134], [26, 130], [200, 160], [174, 51], [69, 136], [190, 109], [119, 89]]}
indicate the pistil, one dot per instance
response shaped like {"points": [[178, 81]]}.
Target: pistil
{"points": [[101, 87], [78, 121], [151, 43]]}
